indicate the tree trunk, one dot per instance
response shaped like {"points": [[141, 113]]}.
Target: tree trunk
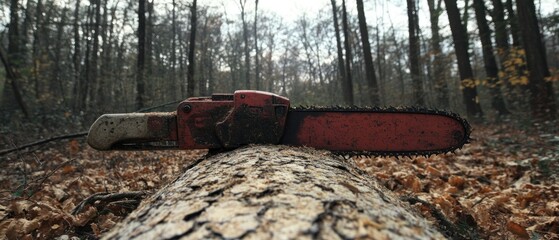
{"points": [[245, 38], [141, 71], [501, 38], [542, 99], [12, 76], [149, 83], [263, 192], [14, 56], [103, 90], [491, 69], [76, 59], [441, 86], [341, 67], [256, 51], [94, 79], [418, 94], [191, 50], [502, 43], [38, 54], [513, 21], [469, 89], [56, 84], [347, 85], [367, 55], [173, 81]]}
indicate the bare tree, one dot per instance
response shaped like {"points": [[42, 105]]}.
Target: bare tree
{"points": [[191, 50], [341, 66], [12, 60], [246, 46], [140, 71], [469, 89], [256, 50], [94, 65], [347, 85], [501, 37], [441, 86], [513, 22], [413, 20], [491, 69], [367, 55], [542, 99], [37, 50], [76, 59]]}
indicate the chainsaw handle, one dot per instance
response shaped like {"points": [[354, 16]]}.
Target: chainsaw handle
{"points": [[114, 131]]}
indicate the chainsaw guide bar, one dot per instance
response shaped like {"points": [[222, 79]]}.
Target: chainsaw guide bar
{"points": [[226, 121], [455, 139]]}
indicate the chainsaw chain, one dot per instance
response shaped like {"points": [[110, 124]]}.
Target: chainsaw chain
{"points": [[419, 110]]}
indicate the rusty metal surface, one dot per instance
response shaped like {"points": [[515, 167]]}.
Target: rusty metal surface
{"points": [[257, 117], [231, 120], [376, 131]]}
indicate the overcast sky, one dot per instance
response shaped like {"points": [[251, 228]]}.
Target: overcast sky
{"points": [[386, 12]]}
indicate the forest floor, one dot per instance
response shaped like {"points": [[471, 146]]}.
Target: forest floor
{"points": [[503, 185]]}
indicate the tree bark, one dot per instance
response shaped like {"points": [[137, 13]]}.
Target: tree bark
{"points": [[502, 43], [348, 83], [12, 76], [140, 77], [367, 55], [173, 80], [341, 67], [415, 72], [441, 86], [76, 59], [501, 37], [490, 63], [191, 49], [38, 54], [246, 47], [263, 192], [94, 73], [542, 99], [459, 36], [256, 51], [13, 59], [513, 22]]}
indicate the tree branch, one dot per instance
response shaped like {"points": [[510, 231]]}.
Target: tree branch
{"points": [[106, 197], [73, 135]]}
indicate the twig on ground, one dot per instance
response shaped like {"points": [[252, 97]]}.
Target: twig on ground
{"points": [[46, 176], [107, 197], [448, 228], [74, 135]]}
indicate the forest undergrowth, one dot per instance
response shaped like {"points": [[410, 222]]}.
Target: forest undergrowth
{"points": [[503, 185]]}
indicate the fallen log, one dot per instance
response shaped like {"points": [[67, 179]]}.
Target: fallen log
{"points": [[263, 192]]}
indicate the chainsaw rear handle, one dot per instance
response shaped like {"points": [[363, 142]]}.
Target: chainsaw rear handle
{"points": [[132, 131], [219, 121]]}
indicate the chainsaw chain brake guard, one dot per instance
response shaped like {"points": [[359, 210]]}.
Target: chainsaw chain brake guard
{"points": [[219, 121]]}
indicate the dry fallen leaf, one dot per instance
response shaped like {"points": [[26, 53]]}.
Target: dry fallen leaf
{"points": [[518, 230]]}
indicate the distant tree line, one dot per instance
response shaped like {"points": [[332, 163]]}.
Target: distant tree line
{"points": [[79, 58]]}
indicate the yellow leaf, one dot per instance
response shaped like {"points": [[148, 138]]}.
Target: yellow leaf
{"points": [[524, 80], [501, 74]]}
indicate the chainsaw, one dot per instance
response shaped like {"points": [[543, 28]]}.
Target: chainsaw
{"points": [[227, 121]]}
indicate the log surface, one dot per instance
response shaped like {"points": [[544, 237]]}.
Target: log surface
{"points": [[279, 192]]}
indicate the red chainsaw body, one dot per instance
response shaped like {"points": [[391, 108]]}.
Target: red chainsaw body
{"points": [[231, 120]]}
